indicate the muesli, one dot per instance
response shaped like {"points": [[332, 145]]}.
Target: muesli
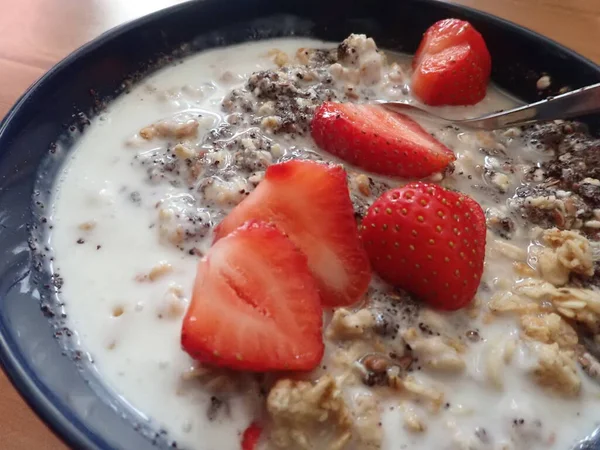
{"points": [[254, 198]]}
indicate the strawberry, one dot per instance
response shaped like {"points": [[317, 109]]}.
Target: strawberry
{"points": [[251, 436], [378, 140], [255, 305], [452, 65], [309, 201], [447, 33], [429, 241]]}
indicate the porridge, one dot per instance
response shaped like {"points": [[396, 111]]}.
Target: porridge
{"points": [[158, 177]]}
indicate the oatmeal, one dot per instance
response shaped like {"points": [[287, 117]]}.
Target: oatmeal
{"points": [[159, 170]]}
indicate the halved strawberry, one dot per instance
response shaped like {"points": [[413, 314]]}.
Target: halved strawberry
{"points": [[448, 33], [452, 65], [428, 241], [310, 202], [255, 305], [378, 140]]}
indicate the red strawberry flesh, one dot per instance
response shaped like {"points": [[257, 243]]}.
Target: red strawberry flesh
{"points": [[251, 436], [255, 305], [452, 65], [444, 34], [450, 78], [311, 204], [429, 241], [378, 140]]}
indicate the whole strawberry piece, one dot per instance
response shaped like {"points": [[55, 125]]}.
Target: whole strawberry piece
{"points": [[429, 241], [452, 65], [378, 140]]}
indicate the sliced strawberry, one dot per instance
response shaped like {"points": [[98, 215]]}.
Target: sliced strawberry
{"points": [[378, 140], [309, 201], [429, 241], [251, 436], [255, 305], [452, 65], [447, 33]]}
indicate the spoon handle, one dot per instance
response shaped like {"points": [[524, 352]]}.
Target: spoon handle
{"points": [[579, 102]]}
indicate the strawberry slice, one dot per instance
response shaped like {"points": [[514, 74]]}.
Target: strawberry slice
{"points": [[255, 305], [310, 202], [452, 65], [448, 33], [251, 436], [428, 241], [378, 140]]}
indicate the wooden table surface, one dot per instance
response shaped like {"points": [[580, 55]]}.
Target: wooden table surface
{"points": [[35, 34]]}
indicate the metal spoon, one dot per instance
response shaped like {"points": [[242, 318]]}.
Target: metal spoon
{"points": [[582, 101]]}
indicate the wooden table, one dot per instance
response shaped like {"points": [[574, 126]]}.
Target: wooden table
{"points": [[35, 34]]}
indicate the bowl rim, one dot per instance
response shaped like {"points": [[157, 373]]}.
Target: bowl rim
{"points": [[65, 425]]}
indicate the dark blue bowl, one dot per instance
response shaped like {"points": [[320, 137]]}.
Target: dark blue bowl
{"points": [[39, 355]]}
